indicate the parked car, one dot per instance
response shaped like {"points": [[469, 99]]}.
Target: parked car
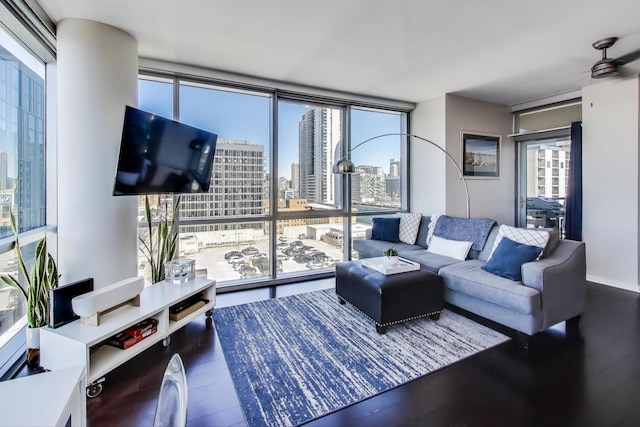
{"points": [[250, 250], [232, 253], [296, 243]]}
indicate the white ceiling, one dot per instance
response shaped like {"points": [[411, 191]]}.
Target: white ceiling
{"points": [[502, 51]]}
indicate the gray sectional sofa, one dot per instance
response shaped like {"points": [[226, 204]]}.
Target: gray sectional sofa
{"points": [[552, 288]]}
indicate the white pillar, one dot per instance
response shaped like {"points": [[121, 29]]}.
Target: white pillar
{"points": [[97, 77]]}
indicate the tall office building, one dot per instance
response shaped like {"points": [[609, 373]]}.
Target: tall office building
{"points": [[22, 120], [295, 178], [394, 168], [319, 133], [237, 186], [368, 184]]}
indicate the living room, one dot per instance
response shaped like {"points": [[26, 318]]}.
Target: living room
{"points": [[377, 54]]}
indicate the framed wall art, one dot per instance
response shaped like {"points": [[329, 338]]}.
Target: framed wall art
{"points": [[480, 155]]}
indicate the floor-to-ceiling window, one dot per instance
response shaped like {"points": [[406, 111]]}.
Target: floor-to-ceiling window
{"points": [[275, 210], [22, 176]]}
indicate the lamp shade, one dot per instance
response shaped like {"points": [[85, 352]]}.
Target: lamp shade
{"points": [[344, 166]]}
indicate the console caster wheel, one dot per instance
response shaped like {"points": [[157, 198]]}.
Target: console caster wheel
{"points": [[342, 300], [94, 390], [209, 313], [166, 341]]}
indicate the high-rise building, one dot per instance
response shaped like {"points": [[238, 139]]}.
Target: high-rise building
{"points": [[237, 185], [319, 134], [368, 184], [394, 168], [548, 172], [295, 178]]}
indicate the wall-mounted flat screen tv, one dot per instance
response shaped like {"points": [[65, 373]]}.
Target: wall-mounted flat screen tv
{"points": [[159, 155]]}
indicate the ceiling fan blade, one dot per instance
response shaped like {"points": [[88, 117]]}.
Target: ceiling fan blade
{"points": [[629, 57]]}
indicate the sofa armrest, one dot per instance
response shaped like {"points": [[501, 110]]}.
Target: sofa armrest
{"points": [[561, 280], [368, 233]]}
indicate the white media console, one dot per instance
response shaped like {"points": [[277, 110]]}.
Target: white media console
{"points": [[81, 344]]}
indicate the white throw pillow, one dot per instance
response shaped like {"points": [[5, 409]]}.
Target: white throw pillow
{"points": [[409, 225], [526, 236], [451, 248]]}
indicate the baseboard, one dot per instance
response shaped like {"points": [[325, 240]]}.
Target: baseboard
{"points": [[614, 283]]}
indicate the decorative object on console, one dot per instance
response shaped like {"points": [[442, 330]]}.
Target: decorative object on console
{"points": [[44, 277], [92, 305], [390, 257], [60, 306], [162, 244], [346, 166], [180, 270]]}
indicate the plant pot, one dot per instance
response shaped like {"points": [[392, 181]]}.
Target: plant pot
{"points": [[390, 261], [33, 347]]}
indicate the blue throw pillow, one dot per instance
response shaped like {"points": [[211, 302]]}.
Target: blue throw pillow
{"points": [[386, 229], [508, 258]]}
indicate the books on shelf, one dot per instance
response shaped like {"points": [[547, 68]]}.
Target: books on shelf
{"points": [[134, 334], [186, 307]]}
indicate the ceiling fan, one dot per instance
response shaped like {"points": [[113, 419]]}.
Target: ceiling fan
{"points": [[607, 67]]}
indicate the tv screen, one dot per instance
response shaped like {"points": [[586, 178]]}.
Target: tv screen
{"points": [[60, 308], [158, 155]]}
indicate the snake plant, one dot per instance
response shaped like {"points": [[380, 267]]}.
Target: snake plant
{"points": [[37, 284], [162, 244]]}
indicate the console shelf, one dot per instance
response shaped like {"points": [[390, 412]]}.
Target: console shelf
{"points": [[71, 344]]}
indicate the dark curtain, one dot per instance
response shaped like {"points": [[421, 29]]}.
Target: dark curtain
{"points": [[573, 206]]}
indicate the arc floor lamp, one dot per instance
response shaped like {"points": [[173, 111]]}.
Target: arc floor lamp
{"points": [[345, 166]]}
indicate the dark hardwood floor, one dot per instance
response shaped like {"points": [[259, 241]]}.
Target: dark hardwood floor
{"points": [[591, 378]]}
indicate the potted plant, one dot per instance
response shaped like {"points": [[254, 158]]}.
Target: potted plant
{"points": [[162, 244], [390, 257], [35, 289]]}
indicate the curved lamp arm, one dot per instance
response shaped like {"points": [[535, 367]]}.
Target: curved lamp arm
{"points": [[346, 166]]}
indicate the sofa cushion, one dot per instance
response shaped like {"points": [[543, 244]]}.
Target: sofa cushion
{"points": [[451, 248], [427, 260], [508, 258], [469, 278], [409, 226], [526, 236], [374, 248], [387, 229]]}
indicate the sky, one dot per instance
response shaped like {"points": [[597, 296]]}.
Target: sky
{"points": [[246, 117]]}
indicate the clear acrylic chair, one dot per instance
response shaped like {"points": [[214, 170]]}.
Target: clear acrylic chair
{"points": [[172, 401]]}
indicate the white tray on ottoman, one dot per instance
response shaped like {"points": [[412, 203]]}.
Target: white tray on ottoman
{"points": [[403, 265]]}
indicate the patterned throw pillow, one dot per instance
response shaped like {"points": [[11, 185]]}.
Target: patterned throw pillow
{"points": [[526, 236], [409, 225]]}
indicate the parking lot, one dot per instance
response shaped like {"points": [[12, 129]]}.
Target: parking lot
{"points": [[251, 260]]}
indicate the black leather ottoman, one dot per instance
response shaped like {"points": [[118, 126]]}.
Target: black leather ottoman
{"points": [[389, 299]]}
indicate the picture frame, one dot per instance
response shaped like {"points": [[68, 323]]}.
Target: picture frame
{"points": [[480, 154]]}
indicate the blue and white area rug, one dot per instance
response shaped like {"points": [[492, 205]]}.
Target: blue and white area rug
{"points": [[297, 358]]}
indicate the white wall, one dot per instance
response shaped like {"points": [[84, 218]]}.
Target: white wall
{"points": [[97, 70], [490, 197], [428, 193], [441, 120], [610, 113]]}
